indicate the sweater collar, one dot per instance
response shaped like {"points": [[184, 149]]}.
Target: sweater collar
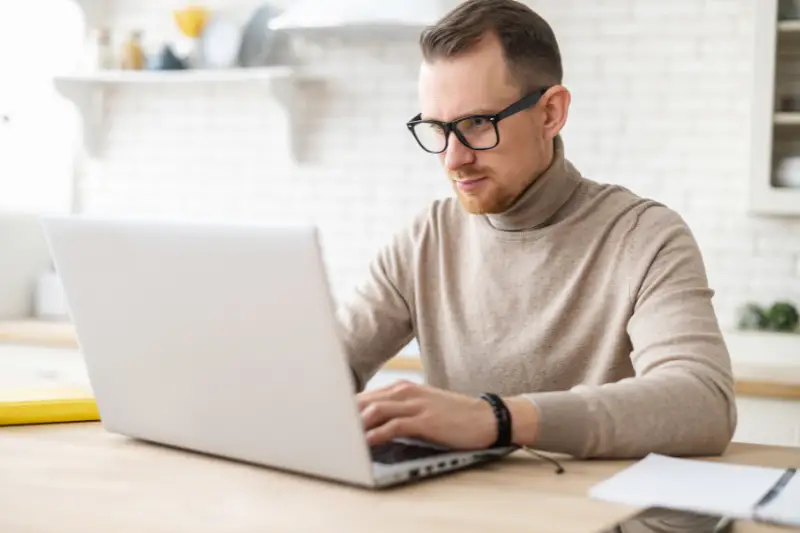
{"points": [[543, 198]]}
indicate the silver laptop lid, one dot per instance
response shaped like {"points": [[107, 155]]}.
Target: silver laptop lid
{"points": [[215, 337]]}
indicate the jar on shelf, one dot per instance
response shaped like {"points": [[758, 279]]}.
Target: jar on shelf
{"points": [[133, 56], [99, 54], [787, 174]]}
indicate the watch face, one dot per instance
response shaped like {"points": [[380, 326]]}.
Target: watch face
{"points": [[660, 520]]}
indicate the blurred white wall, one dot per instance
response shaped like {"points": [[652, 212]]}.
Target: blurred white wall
{"points": [[661, 104]]}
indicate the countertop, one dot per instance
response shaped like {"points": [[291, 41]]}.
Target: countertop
{"points": [[766, 365], [39, 333]]}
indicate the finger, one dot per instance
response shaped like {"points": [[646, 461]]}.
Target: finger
{"points": [[400, 390], [407, 427], [380, 412], [392, 391]]}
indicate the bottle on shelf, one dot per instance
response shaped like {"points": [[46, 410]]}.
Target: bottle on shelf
{"points": [[133, 56], [107, 59], [99, 54]]}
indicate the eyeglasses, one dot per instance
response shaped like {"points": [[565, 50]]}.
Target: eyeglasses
{"points": [[477, 132]]}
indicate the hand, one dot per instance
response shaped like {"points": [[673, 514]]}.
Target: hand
{"points": [[406, 409]]}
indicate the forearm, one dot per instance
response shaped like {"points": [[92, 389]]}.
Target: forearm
{"points": [[374, 324], [524, 420], [368, 345], [674, 413]]}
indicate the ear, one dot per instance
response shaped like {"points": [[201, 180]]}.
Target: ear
{"points": [[555, 107]]}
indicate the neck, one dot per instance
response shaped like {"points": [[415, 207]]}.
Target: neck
{"points": [[543, 198]]}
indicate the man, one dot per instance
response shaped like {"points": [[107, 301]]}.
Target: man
{"points": [[584, 308]]}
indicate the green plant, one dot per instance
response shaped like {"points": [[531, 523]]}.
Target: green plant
{"points": [[752, 316], [782, 316]]}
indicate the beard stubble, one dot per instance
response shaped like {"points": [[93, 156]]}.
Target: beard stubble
{"points": [[492, 199]]}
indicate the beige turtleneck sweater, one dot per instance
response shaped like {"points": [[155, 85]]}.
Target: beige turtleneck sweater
{"points": [[590, 301]]}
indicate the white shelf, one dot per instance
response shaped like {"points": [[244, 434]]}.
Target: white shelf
{"points": [[786, 118], [88, 91], [775, 201], [368, 33], [231, 75], [357, 19]]}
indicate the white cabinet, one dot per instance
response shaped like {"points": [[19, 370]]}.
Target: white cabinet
{"points": [[387, 377], [775, 113], [38, 135], [768, 421], [37, 127], [36, 152], [24, 256], [764, 358], [33, 366]]}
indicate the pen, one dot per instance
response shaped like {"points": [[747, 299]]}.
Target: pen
{"points": [[777, 488]]}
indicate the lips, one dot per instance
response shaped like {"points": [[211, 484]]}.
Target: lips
{"points": [[469, 184]]}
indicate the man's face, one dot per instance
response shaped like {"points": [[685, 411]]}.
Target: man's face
{"points": [[477, 82]]}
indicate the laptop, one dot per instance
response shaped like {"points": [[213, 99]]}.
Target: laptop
{"points": [[221, 338]]}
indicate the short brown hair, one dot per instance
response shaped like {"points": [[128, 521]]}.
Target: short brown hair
{"points": [[529, 45]]}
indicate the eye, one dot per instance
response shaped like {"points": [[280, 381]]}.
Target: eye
{"points": [[473, 123], [433, 129]]}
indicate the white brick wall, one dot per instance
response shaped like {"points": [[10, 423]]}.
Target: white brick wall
{"points": [[664, 108], [660, 104]]}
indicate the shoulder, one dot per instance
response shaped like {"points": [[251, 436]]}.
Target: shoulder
{"points": [[654, 220], [641, 227], [656, 240], [638, 217], [411, 238], [443, 212], [614, 201], [653, 244], [440, 217], [655, 226], [415, 240]]}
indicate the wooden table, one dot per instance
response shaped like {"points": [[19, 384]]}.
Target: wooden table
{"points": [[77, 478]]}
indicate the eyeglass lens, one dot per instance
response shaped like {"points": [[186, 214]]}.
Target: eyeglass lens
{"points": [[478, 132]]}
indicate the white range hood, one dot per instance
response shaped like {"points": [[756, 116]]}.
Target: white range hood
{"points": [[381, 17]]}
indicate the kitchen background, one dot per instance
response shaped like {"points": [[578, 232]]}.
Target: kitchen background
{"points": [[691, 102], [662, 103]]}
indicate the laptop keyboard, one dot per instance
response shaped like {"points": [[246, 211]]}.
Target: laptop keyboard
{"points": [[397, 452]]}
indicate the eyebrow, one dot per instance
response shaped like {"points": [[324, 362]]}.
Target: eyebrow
{"points": [[479, 111]]}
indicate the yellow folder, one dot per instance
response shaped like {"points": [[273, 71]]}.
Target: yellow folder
{"points": [[43, 405]]}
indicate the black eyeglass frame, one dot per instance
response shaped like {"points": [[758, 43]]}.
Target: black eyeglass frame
{"points": [[527, 101]]}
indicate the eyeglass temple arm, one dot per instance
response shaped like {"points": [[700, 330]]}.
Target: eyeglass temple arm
{"points": [[521, 104], [415, 118]]}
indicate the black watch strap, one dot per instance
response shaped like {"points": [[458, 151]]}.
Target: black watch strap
{"points": [[503, 416]]}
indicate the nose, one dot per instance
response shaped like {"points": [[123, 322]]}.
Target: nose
{"points": [[457, 155]]}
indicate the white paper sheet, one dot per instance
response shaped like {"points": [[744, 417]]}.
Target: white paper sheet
{"points": [[785, 509], [691, 485]]}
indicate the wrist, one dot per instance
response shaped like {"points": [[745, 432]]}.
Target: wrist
{"points": [[524, 420], [486, 425], [502, 416]]}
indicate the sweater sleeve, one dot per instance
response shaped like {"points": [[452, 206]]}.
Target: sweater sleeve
{"points": [[376, 319], [681, 400]]}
